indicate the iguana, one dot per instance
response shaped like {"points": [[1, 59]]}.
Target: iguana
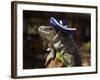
{"points": [[61, 46]]}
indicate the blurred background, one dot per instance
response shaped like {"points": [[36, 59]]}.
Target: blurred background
{"points": [[34, 49]]}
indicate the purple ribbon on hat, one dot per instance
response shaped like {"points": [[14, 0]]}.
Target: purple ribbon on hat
{"points": [[61, 25]]}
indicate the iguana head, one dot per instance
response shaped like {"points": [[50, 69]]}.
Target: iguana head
{"points": [[52, 36], [47, 32]]}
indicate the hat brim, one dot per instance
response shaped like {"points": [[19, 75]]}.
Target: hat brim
{"points": [[63, 28]]}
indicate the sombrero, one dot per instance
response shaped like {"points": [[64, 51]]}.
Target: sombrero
{"points": [[62, 25]]}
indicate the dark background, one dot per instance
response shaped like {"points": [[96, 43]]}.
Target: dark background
{"points": [[34, 51]]}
